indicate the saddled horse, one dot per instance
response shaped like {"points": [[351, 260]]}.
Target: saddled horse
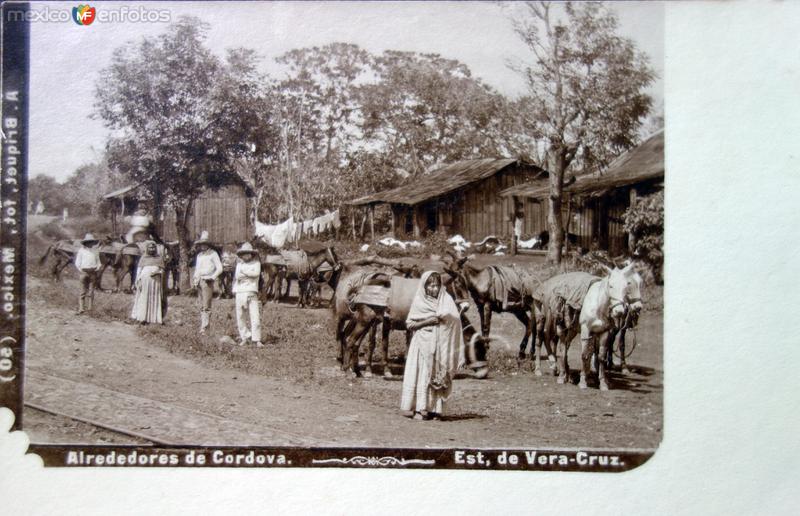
{"points": [[500, 288], [605, 307], [302, 265], [365, 317]]}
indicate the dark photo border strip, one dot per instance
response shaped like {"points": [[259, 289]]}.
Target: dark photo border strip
{"points": [[13, 192], [13, 184]]}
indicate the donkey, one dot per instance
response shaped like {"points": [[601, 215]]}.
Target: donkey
{"points": [[604, 308], [481, 284], [63, 252], [304, 271], [365, 318]]}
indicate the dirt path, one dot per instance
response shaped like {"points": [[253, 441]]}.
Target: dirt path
{"points": [[302, 397]]}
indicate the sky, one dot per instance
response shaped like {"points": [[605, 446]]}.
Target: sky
{"points": [[66, 57]]}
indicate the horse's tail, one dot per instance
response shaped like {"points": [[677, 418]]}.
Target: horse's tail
{"points": [[118, 258], [45, 255]]}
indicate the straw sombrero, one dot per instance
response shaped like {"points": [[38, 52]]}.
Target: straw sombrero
{"points": [[203, 239], [246, 248], [89, 238]]}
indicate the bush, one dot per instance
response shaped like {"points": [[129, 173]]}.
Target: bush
{"points": [[645, 221]]}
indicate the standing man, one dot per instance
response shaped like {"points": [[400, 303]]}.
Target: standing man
{"points": [[245, 286], [206, 270], [518, 218], [87, 261]]}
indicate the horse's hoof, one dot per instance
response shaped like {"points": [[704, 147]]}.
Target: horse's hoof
{"points": [[582, 384], [537, 372], [561, 380], [387, 374], [521, 355], [603, 386], [367, 374], [552, 361], [626, 371]]}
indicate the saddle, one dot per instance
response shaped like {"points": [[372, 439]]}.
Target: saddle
{"points": [[296, 262]]}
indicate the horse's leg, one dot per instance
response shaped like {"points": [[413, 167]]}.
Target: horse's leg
{"points": [[356, 337], [623, 365], [537, 322], [526, 322], [302, 285], [371, 349], [385, 331], [608, 349], [98, 279], [587, 345], [561, 353], [344, 327], [487, 317], [484, 331], [602, 353]]}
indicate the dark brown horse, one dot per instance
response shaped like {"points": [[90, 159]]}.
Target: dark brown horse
{"points": [[481, 282], [366, 317], [303, 267]]}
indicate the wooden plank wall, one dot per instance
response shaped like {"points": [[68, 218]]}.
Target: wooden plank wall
{"points": [[480, 211], [223, 213]]}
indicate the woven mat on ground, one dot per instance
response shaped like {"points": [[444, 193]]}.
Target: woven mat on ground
{"points": [[570, 287], [402, 294]]}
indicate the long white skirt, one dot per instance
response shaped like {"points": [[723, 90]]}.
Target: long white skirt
{"points": [[417, 394], [147, 301]]}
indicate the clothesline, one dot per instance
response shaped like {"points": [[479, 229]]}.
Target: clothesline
{"points": [[290, 231]]}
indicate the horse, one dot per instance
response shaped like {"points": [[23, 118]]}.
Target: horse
{"points": [[172, 265], [63, 252], [485, 283], [604, 308], [366, 317], [302, 266]]}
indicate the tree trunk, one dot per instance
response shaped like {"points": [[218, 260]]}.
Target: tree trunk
{"points": [[182, 212], [554, 222]]}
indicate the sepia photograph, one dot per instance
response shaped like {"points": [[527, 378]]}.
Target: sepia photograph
{"points": [[335, 234]]}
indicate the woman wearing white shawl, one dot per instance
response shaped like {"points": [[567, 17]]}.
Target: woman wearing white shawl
{"points": [[436, 350]]}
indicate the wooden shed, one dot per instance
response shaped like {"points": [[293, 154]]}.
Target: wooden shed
{"points": [[458, 198], [595, 203], [224, 212]]}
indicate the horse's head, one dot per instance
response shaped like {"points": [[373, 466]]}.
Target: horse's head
{"points": [[624, 290]]}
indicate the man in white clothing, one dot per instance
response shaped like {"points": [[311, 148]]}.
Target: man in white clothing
{"points": [[207, 268], [245, 286], [87, 261]]}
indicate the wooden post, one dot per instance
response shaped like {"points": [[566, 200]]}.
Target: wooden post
{"points": [[631, 237], [372, 222], [363, 223], [353, 221], [415, 219], [391, 220], [568, 224]]}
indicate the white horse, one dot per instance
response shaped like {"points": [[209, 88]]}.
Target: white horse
{"points": [[604, 307]]}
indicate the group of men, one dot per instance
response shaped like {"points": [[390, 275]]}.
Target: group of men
{"points": [[208, 267]]}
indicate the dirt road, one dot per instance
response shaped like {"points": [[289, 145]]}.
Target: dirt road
{"points": [[302, 398]]}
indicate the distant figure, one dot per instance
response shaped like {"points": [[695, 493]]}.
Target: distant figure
{"points": [[87, 261], [518, 221], [206, 270], [64, 215], [245, 286], [148, 302], [142, 228], [39, 208]]}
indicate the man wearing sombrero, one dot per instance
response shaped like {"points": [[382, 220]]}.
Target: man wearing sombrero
{"points": [[245, 286], [207, 268], [87, 261]]}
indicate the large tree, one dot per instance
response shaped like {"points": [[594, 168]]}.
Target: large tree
{"points": [[426, 109], [157, 97], [586, 92]]}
